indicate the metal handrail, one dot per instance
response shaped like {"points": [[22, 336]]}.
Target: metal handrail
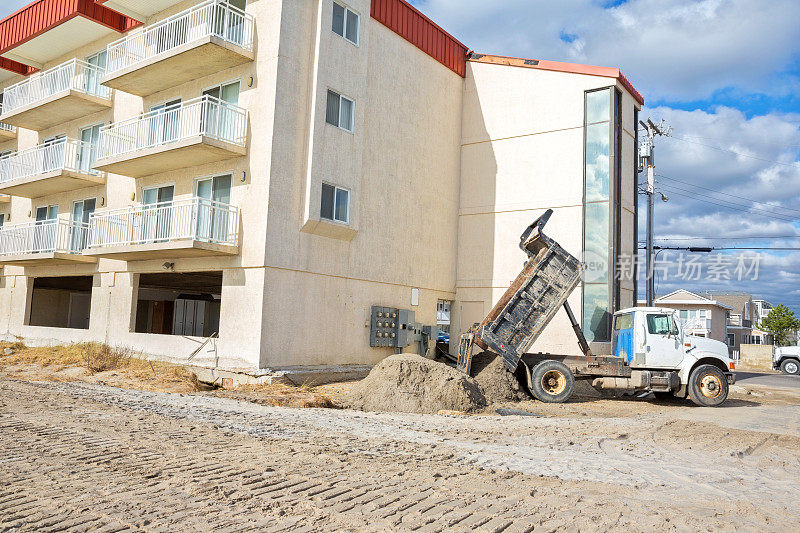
{"points": [[64, 154], [210, 18], [46, 236], [75, 74], [3, 125], [192, 218], [207, 116]]}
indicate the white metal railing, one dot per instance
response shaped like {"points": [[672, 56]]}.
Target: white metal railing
{"points": [[692, 324], [207, 115], [75, 74], [3, 125], [210, 18], [193, 218], [44, 236], [63, 154]]}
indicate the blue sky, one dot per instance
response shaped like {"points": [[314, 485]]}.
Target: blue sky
{"points": [[724, 73]]}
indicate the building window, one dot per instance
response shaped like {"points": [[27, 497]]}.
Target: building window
{"points": [[340, 111], [335, 203], [601, 212], [2, 219], [731, 339], [345, 23]]}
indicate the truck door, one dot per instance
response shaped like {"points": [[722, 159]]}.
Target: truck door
{"points": [[664, 348], [622, 339]]}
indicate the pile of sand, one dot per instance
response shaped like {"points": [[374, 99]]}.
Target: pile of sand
{"points": [[410, 383], [497, 384]]}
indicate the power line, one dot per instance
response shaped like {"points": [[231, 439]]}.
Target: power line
{"points": [[794, 165], [730, 205], [728, 194], [726, 238], [728, 140], [706, 249]]}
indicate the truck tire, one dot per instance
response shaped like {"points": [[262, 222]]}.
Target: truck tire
{"points": [[708, 386], [790, 366], [552, 382]]}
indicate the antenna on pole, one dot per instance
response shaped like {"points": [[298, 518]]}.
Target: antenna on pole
{"points": [[647, 160]]}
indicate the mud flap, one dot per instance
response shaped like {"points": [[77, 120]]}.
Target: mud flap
{"points": [[528, 380]]}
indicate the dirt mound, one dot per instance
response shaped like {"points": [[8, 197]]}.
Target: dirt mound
{"points": [[496, 383], [410, 383]]}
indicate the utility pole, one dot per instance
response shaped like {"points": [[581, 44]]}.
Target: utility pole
{"points": [[646, 153]]}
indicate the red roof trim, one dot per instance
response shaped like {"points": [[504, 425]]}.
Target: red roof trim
{"points": [[16, 67], [43, 15], [573, 68], [408, 22]]}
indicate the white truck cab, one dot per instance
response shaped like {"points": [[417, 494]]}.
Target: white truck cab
{"points": [[652, 339]]}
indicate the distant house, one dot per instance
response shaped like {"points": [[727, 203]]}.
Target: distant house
{"points": [[743, 319], [763, 308], [700, 316]]}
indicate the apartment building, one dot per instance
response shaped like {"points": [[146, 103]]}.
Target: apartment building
{"points": [[700, 316], [260, 173]]}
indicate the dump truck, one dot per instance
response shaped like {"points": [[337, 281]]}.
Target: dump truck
{"points": [[650, 350]]}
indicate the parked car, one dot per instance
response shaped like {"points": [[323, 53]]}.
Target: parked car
{"points": [[787, 359]]}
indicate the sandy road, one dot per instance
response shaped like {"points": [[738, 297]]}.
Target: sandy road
{"points": [[87, 457]]}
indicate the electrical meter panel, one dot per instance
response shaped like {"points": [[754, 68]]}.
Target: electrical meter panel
{"points": [[391, 327]]}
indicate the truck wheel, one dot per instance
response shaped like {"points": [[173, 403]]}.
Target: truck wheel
{"points": [[708, 386], [552, 382], [790, 366]]}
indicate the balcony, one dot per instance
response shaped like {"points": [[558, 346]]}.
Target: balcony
{"points": [[205, 39], [138, 9], [49, 168], [7, 131], [192, 227], [196, 132], [44, 243], [61, 94]]}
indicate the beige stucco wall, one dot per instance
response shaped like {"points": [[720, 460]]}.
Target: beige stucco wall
{"points": [[522, 153], [401, 166]]}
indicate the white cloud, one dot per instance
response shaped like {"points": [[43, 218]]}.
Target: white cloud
{"points": [[715, 200], [671, 49]]}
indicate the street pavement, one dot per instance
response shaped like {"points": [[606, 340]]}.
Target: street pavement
{"points": [[783, 381]]}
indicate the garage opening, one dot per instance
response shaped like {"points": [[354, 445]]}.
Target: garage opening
{"points": [[61, 302], [179, 303]]}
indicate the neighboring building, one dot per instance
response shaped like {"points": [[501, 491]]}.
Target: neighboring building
{"points": [[264, 172], [700, 316], [743, 319], [763, 308]]}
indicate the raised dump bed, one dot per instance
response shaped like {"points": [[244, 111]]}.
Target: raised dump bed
{"points": [[516, 321]]}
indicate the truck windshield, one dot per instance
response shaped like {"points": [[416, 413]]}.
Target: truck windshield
{"points": [[661, 325]]}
